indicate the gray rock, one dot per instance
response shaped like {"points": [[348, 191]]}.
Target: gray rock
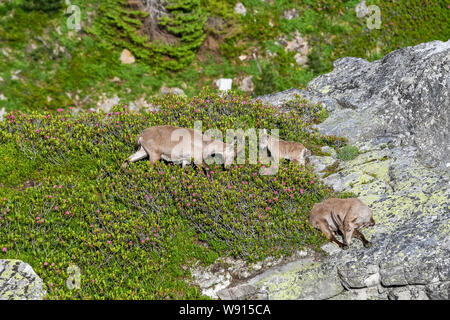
{"points": [[321, 163], [105, 104], [175, 91], [237, 293], [392, 274], [443, 267], [371, 293], [309, 282], [279, 98], [126, 57], [356, 275], [240, 9], [330, 248], [408, 293], [408, 95], [439, 291], [247, 84], [18, 281], [329, 150], [290, 14], [421, 271], [214, 280]]}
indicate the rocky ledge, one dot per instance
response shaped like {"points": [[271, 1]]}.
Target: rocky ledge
{"points": [[396, 111]]}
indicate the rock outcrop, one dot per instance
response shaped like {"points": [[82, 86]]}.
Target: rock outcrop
{"points": [[396, 111], [18, 281], [126, 57], [404, 96], [240, 9]]}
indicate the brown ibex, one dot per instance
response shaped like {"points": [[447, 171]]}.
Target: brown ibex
{"points": [[344, 215], [179, 145], [291, 150]]}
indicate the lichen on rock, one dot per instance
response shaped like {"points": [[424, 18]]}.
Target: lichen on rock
{"points": [[18, 281]]}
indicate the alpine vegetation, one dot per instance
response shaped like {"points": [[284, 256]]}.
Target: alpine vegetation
{"points": [[65, 200]]}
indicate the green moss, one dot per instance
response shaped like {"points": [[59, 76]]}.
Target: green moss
{"points": [[43, 5]]}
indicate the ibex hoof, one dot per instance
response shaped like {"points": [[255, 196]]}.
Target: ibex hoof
{"points": [[344, 247], [367, 245]]}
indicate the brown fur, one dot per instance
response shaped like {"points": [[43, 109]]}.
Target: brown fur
{"points": [[344, 215], [171, 143], [291, 150]]}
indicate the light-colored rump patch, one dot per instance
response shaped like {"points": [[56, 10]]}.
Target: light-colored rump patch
{"points": [[139, 155]]}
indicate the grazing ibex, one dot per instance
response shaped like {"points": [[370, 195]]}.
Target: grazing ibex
{"points": [[291, 150], [344, 215], [179, 145]]}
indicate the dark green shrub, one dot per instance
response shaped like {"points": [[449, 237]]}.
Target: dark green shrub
{"points": [[42, 5], [265, 83], [120, 27]]}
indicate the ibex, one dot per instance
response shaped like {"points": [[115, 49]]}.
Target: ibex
{"points": [[344, 215], [179, 145], [291, 150]]}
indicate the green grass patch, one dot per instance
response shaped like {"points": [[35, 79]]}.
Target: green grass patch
{"points": [[347, 153]]}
